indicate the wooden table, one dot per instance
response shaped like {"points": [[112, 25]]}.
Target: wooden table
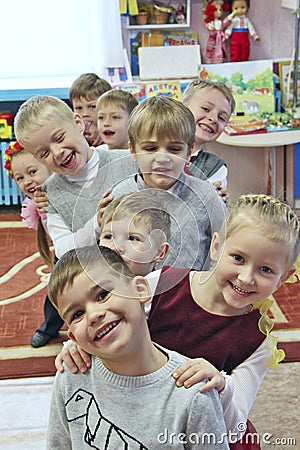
{"points": [[268, 141]]}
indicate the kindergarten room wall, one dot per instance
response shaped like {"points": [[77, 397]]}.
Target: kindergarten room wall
{"points": [[276, 27], [274, 24]]}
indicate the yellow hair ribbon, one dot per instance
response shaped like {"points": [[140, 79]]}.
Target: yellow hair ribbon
{"points": [[296, 275], [265, 325]]}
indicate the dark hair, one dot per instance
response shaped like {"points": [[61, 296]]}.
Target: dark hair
{"points": [[88, 85], [232, 1], [79, 260]]}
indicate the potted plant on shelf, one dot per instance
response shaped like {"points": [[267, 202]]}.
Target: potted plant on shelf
{"points": [[162, 12], [145, 14]]}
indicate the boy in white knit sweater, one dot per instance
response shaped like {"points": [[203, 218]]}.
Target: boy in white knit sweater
{"points": [[129, 398]]}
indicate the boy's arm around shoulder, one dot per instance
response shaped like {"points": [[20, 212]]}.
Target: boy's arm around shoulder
{"points": [[206, 426], [214, 205]]}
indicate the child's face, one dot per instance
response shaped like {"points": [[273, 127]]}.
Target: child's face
{"points": [[91, 134], [240, 7], [161, 163], [86, 108], [250, 267], [133, 242], [212, 111], [28, 172], [61, 146], [112, 123], [102, 310]]}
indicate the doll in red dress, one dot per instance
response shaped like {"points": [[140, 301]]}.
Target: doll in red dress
{"points": [[215, 48]]}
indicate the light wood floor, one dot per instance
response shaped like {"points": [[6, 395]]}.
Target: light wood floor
{"points": [[276, 410]]}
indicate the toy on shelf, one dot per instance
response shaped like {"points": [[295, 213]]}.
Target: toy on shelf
{"points": [[6, 125], [215, 48], [238, 31], [180, 14]]}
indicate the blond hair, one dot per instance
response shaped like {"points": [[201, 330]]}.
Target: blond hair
{"points": [[37, 112], [118, 98], [196, 85], [88, 86], [79, 260], [273, 218], [166, 117], [141, 207]]}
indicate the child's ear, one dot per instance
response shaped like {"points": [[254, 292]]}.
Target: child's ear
{"points": [[71, 336], [79, 122], [287, 275], [162, 252], [132, 152], [215, 247], [143, 289]]}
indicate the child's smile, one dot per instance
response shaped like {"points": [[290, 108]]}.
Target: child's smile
{"points": [[211, 111], [61, 146], [250, 267], [241, 292], [28, 172], [106, 329]]}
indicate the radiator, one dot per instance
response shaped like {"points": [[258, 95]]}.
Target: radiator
{"points": [[9, 193]]}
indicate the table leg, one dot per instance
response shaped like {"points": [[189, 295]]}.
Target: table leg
{"points": [[270, 170]]}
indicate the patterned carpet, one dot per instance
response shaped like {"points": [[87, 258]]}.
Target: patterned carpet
{"points": [[23, 281]]}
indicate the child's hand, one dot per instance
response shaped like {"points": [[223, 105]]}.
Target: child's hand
{"points": [[106, 199], [221, 190], [195, 370], [74, 357], [41, 200]]}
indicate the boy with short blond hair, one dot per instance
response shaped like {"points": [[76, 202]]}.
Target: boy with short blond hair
{"points": [[137, 226], [131, 377], [83, 94], [161, 138], [47, 127], [113, 110], [212, 104]]}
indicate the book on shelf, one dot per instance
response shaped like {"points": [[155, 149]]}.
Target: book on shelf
{"points": [[154, 39]]}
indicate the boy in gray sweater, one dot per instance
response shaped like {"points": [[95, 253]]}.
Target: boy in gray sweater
{"points": [[49, 129], [129, 398], [161, 138]]}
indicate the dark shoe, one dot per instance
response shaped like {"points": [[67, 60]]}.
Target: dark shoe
{"points": [[40, 339]]}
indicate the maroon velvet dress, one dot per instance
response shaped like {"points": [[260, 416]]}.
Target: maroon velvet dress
{"points": [[178, 323]]}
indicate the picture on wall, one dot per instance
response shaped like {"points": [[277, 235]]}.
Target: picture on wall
{"points": [[251, 83], [286, 75]]}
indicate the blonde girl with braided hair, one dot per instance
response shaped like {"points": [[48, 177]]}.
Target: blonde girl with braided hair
{"points": [[254, 253]]}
